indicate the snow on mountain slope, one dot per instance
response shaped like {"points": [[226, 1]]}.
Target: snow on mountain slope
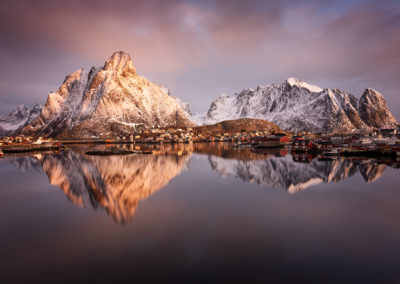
{"points": [[107, 101], [296, 82], [298, 106], [20, 116]]}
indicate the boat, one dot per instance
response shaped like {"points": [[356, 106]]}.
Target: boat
{"points": [[269, 145], [332, 152], [16, 150], [246, 146], [144, 152], [109, 153], [238, 144]]}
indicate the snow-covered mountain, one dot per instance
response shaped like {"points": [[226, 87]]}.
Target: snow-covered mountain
{"points": [[16, 119], [198, 117], [285, 173], [298, 106], [107, 101]]}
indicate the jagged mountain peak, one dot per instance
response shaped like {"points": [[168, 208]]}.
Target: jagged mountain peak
{"points": [[223, 95], [37, 106], [371, 94], [19, 110], [107, 101], [121, 63], [374, 111], [295, 82], [74, 75]]}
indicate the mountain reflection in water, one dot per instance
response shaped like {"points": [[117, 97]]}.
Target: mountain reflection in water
{"points": [[115, 183], [118, 183], [284, 172]]}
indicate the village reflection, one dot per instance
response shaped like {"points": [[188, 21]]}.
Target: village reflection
{"points": [[118, 183]]}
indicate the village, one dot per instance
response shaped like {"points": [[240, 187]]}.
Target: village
{"points": [[378, 142]]}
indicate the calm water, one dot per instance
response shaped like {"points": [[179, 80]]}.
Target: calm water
{"points": [[198, 213]]}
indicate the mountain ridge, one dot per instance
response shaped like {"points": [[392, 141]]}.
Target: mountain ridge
{"points": [[297, 106], [113, 100], [18, 118]]}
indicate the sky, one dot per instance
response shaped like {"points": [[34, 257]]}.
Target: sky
{"points": [[200, 49]]}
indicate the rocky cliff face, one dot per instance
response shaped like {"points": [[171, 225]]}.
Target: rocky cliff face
{"points": [[298, 106], [20, 116], [112, 100], [374, 111]]}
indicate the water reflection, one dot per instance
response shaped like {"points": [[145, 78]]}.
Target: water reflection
{"points": [[23, 163], [115, 183], [286, 173], [293, 173], [118, 183]]}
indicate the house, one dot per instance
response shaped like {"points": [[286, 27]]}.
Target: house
{"points": [[297, 138], [337, 139], [386, 140], [363, 141], [148, 140], [158, 139], [387, 132], [323, 144], [302, 145], [278, 138]]}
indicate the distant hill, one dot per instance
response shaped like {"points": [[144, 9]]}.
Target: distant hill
{"points": [[238, 125]]}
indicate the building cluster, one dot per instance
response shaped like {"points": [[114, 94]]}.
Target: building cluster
{"points": [[21, 144], [192, 135], [22, 140], [382, 140], [379, 141]]}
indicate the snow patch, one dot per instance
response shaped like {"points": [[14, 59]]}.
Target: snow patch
{"points": [[297, 82]]}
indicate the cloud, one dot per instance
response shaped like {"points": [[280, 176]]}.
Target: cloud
{"points": [[201, 48]]}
